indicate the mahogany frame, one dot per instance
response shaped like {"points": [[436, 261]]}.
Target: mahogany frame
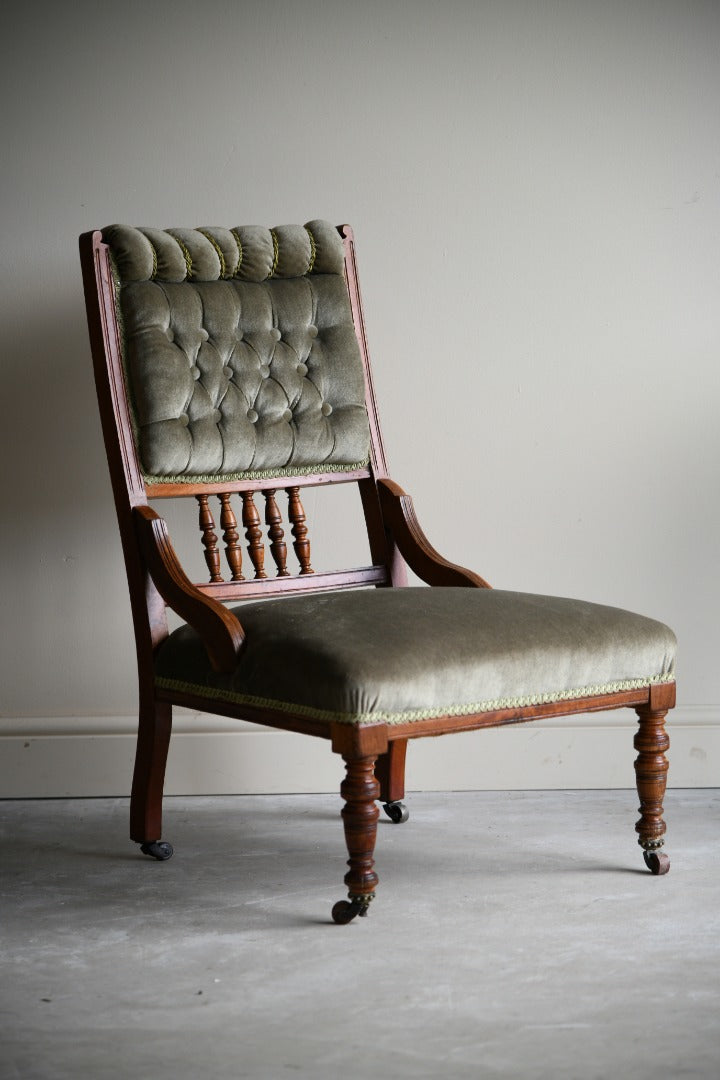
{"points": [[374, 754]]}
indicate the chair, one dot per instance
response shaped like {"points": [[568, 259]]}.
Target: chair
{"points": [[232, 364]]}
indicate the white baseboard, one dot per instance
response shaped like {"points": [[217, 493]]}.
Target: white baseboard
{"points": [[57, 757]]}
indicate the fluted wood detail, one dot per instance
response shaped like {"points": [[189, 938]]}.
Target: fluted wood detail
{"points": [[231, 537], [651, 766], [253, 532], [206, 524], [360, 789], [301, 544], [273, 520]]}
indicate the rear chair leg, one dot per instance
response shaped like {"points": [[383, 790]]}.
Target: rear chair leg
{"points": [[651, 766], [359, 789], [390, 771], [154, 729]]}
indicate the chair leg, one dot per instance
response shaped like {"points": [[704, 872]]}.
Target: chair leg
{"points": [[390, 772], [359, 789], [154, 729], [651, 766]]}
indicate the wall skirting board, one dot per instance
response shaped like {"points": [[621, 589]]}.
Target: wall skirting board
{"points": [[93, 756]]}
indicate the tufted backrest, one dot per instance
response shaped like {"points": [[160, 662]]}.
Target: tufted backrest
{"points": [[239, 352]]}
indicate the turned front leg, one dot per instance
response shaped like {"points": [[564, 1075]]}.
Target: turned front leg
{"points": [[359, 789], [651, 767]]}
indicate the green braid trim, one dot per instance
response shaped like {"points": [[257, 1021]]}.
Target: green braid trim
{"points": [[254, 474], [186, 255], [223, 268], [154, 259], [409, 716], [276, 253], [313, 251], [238, 241]]}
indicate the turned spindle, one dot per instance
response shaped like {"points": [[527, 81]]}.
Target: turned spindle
{"points": [[253, 532], [273, 520], [231, 537], [651, 766], [359, 789], [206, 523], [301, 544]]}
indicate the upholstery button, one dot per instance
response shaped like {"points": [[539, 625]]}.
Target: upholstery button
{"points": [[228, 371], [326, 408], [265, 370], [287, 415], [275, 334], [184, 419], [313, 331], [252, 416], [302, 369], [204, 334], [169, 334], [195, 372], [217, 416]]}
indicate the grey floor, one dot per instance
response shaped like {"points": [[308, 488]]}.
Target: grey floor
{"points": [[514, 935]]}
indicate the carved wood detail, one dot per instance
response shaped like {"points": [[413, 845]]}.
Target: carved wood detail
{"points": [[253, 532], [206, 524], [301, 544], [651, 766], [219, 629], [360, 789], [273, 520], [231, 537]]}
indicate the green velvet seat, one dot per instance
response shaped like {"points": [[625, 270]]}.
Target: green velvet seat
{"points": [[394, 657], [232, 368]]}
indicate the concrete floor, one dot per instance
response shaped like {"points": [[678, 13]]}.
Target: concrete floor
{"points": [[514, 935]]}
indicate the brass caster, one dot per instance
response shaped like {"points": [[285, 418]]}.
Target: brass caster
{"points": [[657, 862], [157, 849], [345, 911], [397, 812]]}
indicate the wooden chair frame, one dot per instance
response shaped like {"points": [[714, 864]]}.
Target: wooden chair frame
{"points": [[374, 754]]}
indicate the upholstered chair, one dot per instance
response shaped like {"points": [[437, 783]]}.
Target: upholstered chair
{"points": [[232, 372]]}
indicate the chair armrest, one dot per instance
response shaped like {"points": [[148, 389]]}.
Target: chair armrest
{"points": [[220, 631], [417, 551]]}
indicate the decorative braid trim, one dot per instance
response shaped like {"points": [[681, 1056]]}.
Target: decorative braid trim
{"points": [[155, 264], [223, 268], [254, 474], [276, 252], [410, 716], [186, 255], [238, 241], [313, 251]]}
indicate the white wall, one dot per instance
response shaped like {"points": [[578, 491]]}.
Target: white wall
{"points": [[535, 189]]}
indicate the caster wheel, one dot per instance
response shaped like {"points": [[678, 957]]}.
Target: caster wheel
{"points": [[657, 862], [157, 849], [397, 812], [343, 912]]}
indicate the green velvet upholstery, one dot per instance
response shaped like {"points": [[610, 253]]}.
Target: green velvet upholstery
{"points": [[239, 351], [398, 655]]}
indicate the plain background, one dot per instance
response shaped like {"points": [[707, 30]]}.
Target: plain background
{"points": [[535, 192]]}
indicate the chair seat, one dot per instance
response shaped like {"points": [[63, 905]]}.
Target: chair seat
{"points": [[408, 654]]}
